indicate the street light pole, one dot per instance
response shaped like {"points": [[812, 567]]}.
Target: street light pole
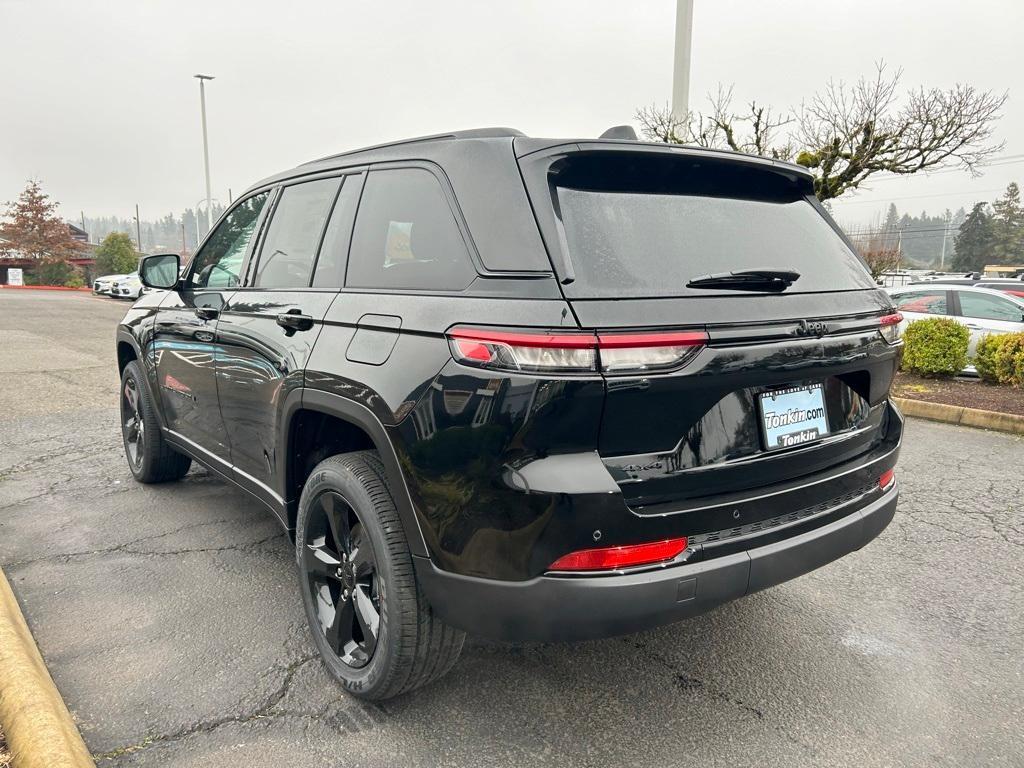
{"points": [[681, 70], [138, 229], [206, 147]]}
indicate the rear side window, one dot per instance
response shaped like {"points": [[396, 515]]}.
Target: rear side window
{"points": [[406, 236], [288, 250], [985, 307], [644, 226], [924, 302], [330, 264]]}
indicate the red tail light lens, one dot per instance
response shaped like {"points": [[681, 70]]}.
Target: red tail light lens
{"points": [[889, 327], [540, 352], [607, 558], [887, 479], [529, 352]]}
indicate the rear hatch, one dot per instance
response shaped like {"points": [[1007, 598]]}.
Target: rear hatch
{"points": [[792, 373]]}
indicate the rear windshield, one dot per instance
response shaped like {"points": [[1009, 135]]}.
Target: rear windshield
{"points": [[644, 227]]}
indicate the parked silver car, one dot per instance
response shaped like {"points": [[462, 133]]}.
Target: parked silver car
{"points": [[983, 310]]}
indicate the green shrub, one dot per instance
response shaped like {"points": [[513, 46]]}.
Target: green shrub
{"points": [[1000, 359], [1009, 359], [935, 347], [56, 272], [985, 358]]}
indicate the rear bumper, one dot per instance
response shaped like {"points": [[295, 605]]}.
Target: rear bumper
{"points": [[555, 608]]}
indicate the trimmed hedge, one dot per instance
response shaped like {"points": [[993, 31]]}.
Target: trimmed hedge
{"points": [[1000, 359], [935, 347]]}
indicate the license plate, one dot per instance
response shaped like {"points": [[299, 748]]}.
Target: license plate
{"points": [[793, 416]]}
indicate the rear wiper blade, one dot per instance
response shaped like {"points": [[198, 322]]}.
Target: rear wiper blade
{"points": [[748, 279]]}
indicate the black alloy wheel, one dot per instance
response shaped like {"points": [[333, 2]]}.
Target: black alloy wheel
{"points": [[374, 628], [132, 424], [341, 574], [150, 457]]}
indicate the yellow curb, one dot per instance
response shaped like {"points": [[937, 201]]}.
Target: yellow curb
{"points": [[39, 728], [958, 414]]}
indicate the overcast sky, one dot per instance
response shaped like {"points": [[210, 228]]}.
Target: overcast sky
{"points": [[100, 105]]}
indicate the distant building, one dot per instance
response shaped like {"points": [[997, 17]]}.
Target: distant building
{"points": [[17, 260], [1003, 270], [78, 233]]}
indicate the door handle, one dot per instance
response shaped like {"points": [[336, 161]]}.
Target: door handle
{"points": [[974, 327], [207, 313], [293, 321]]}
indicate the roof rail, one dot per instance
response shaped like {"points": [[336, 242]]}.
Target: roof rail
{"points": [[472, 133]]}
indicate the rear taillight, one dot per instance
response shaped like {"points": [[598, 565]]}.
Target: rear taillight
{"points": [[638, 352], [889, 327], [530, 352], [887, 479], [607, 558], [544, 352]]}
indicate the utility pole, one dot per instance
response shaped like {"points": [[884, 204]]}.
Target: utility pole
{"points": [[899, 251], [184, 247], [230, 198], [138, 229], [206, 147], [681, 70], [945, 236]]}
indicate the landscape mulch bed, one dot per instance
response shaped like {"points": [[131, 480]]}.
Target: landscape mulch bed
{"points": [[961, 391]]}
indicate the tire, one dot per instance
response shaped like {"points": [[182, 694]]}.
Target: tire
{"points": [[150, 458], [347, 498]]}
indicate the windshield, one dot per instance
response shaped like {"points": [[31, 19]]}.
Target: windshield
{"points": [[645, 230]]}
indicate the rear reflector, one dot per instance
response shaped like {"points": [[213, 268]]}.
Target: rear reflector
{"points": [[543, 352], [620, 557], [889, 327], [887, 479]]}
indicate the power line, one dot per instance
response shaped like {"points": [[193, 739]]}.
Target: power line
{"points": [[906, 232], [998, 163], [921, 197]]}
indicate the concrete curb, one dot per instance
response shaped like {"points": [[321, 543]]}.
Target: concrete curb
{"points": [[39, 728], [958, 414], [42, 288]]}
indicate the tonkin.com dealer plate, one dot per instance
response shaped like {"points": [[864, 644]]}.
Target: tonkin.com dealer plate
{"points": [[793, 416]]}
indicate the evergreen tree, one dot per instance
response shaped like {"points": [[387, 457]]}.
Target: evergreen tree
{"points": [[975, 240], [1008, 224]]}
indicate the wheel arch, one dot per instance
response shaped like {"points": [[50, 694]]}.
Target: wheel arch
{"points": [[361, 430], [127, 350]]}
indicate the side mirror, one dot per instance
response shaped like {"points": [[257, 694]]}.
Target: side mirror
{"points": [[160, 271]]}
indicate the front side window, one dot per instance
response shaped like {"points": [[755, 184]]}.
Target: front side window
{"points": [[985, 307], [288, 250], [218, 263], [406, 235], [924, 302]]}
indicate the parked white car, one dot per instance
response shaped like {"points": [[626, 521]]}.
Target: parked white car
{"points": [[103, 285], [128, 287], [983, 310]]}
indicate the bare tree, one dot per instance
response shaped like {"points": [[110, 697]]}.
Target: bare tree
{"points": [[879, 246], [847, 133]]}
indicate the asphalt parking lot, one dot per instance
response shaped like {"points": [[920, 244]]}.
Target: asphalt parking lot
{"points": [[170, 617]]}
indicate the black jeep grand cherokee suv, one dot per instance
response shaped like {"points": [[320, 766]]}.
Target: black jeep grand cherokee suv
{"points": [[526, 388]]}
